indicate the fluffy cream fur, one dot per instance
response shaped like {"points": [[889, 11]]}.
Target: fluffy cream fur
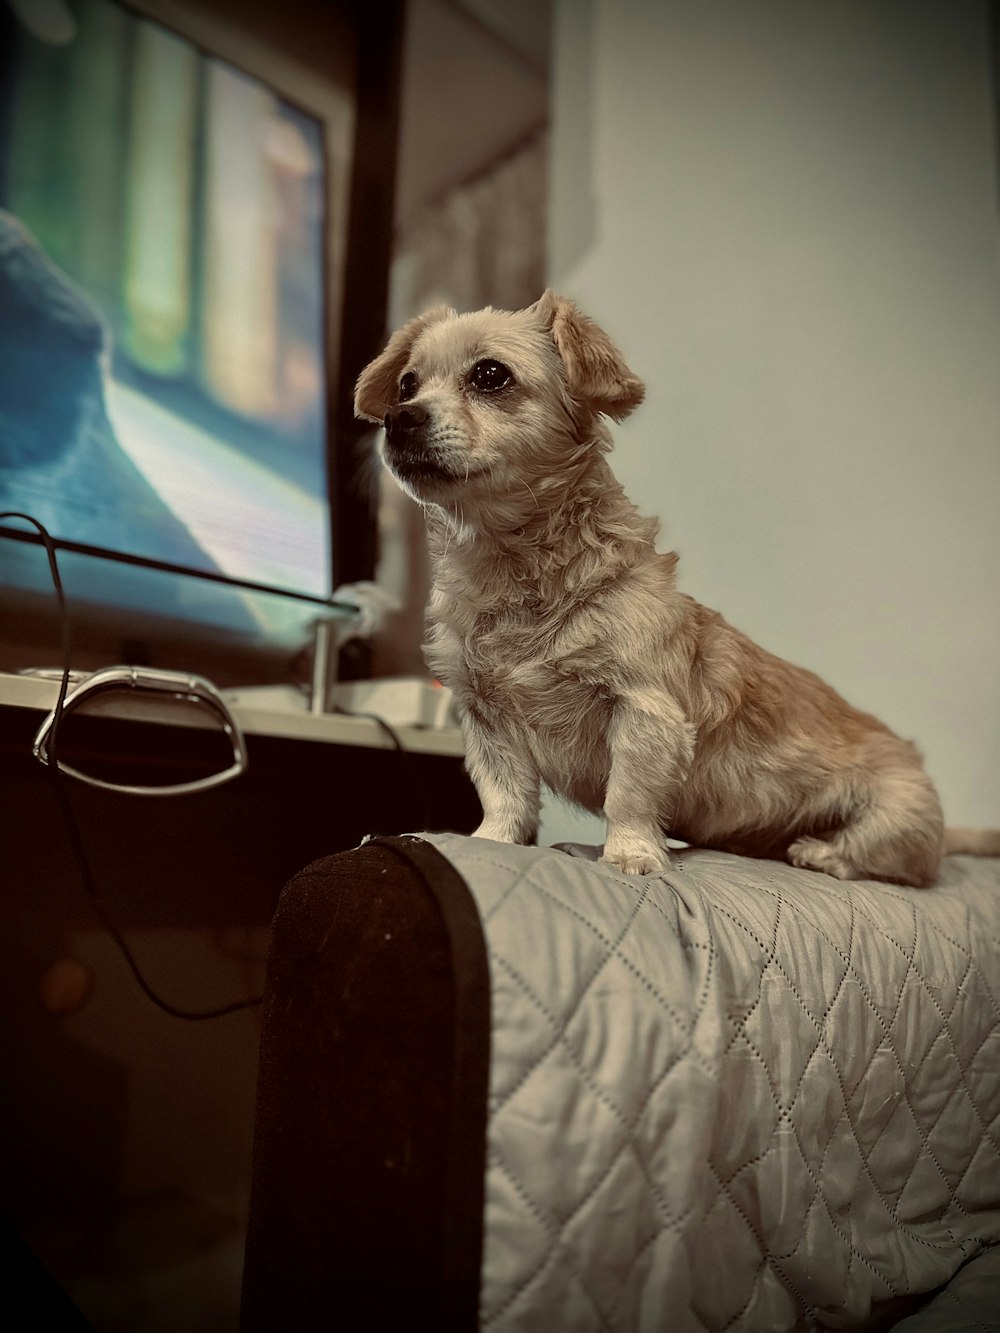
{"points": [[575, 659]]}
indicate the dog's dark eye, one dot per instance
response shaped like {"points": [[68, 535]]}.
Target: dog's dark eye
{"points": [[488, 376], [407, 386]]}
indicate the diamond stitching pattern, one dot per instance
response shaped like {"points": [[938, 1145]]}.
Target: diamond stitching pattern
{"points": [[737, 1068]]}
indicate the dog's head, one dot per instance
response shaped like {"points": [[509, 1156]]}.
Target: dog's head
{"points": [[477, 407]]}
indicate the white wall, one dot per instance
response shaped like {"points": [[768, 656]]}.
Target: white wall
{"points": [[786, 214]]}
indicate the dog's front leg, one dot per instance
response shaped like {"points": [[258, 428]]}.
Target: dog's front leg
{"points": [[506, 779], [650, 746]]}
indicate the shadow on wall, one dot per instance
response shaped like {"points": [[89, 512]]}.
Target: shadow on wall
{"points": [[481, 243], [573, 137]]}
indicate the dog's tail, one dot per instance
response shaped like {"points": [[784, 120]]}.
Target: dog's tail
{"points": [[974, 841]]}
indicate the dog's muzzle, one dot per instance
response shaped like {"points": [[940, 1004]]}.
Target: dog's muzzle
{"points": [[407, 450], [404, 423]]}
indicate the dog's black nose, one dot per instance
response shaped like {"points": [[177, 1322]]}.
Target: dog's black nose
{"points": [[404, 420]]}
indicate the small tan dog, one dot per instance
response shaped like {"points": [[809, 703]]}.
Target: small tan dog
{"points": [[575, 660]]}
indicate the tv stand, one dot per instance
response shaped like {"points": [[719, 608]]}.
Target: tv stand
{"points": [[118, 1107], [417, 711]]}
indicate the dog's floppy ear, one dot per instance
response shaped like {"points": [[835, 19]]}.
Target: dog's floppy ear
{"points": [[377, 388], [596, 374]]}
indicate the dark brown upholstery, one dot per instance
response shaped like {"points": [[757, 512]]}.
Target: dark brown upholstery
{"points": [[367, 1195]]}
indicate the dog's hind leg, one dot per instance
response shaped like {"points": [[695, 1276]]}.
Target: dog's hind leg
{"points": [[896, 835]]}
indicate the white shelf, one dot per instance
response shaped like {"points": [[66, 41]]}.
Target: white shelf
{"points": [[283, 711]]}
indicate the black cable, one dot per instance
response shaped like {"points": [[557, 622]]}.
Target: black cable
{"points": [[386, 728], [169, 567], [69, 817]]}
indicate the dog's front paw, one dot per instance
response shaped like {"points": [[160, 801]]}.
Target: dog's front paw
{"points": [[636, 855], [640, 865], [498, 830]]}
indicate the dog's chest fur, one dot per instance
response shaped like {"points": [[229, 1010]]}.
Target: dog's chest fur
{"points": [[513, 664], [514, 655], [512, 672], [523, 639]]}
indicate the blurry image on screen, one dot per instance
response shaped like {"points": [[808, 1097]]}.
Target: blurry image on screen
{"points": [[162, 377]]}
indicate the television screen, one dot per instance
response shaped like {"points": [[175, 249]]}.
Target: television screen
{"points": [[163, 279]]}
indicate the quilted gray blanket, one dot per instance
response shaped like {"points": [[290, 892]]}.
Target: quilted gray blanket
{"points": [[737, 1095]]}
